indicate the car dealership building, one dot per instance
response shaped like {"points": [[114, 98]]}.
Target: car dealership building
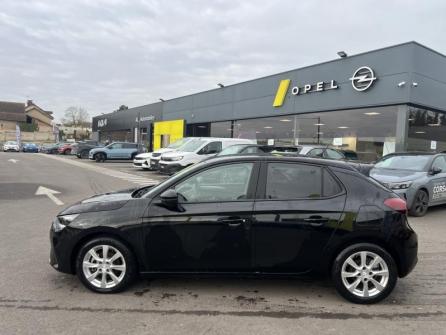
{"points": [[374, 103]]}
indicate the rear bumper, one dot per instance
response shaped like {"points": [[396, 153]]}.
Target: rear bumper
{"points": [[405, 243]]}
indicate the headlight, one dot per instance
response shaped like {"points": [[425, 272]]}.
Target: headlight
{"points": [[400, 186], [177, 158], [62, 221]]}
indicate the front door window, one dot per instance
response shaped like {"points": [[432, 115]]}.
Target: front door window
{"points": [[222, 183]]}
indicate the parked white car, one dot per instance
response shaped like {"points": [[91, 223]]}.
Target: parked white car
{"points": [[196, 151], [11, 146], [149, 160]]}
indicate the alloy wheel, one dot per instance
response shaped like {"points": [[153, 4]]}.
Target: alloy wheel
{"points": [[365, 274], [104, 266], [421, 202]]}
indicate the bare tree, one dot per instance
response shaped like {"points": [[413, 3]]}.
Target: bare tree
{"points": [[76, 116]]}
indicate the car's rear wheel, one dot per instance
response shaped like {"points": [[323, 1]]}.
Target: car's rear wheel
{"points": [[420, 204], [83, 154], [99, 157], [67, 152], [105, 265], [364, 273]]}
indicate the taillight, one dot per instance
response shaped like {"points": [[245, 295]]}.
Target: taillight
{"points": [[397, 204]]}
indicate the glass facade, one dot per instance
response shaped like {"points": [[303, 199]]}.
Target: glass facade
{"points": [[427, 130], [370, 132]]}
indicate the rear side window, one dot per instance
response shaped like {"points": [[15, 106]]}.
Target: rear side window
{"points": [[293, 181], [330, 186], [297, 181], [129, 146]]}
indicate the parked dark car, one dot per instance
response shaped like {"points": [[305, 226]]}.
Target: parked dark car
{"points": [[52, 148], [30, 147], [244, 149], [81, 149], [243, 215]]}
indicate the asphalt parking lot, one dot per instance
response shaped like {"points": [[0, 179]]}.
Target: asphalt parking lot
{"points": [[35, 299]]}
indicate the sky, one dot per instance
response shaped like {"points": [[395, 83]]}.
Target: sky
{"points": [[106, 53]]}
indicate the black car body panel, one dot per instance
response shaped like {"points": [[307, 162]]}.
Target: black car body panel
{"points": [[251, 234]]}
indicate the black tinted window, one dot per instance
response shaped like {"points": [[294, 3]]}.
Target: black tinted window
{"points": [[222, 183], [316, 152], [293, 181], [333, 154], [130, 146], [330, 185], [211, 148]]}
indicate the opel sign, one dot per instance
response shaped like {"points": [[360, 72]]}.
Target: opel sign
{"points": [[363, 78]]}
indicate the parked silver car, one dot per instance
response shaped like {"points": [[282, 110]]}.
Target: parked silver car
{"points": [[419, 177]]}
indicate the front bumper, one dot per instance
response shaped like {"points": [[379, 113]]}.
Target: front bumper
{"points": [[171, 168], [62, 245]]}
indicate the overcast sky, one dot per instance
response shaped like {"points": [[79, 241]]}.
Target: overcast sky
{"points": [[105, 53]]}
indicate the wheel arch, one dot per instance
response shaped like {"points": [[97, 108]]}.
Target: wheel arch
{"points": [[109, 233], [381, 242], [100, 152]]}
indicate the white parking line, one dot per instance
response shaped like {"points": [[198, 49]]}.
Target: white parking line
{"points": [[105, 171]]}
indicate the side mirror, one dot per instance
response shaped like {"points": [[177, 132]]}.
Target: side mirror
{"points": [[169, 198], [435, 170]]}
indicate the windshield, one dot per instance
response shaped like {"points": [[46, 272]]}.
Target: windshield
{"points": [[11, 143], [409, 162], [233, 149], [192, 145], [179, 143]]}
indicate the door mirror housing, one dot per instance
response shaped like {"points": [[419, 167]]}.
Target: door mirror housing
{"points": [[436, 170], [169, 198]]}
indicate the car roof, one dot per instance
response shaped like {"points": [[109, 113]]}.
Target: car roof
{"points": [[271, 158]]}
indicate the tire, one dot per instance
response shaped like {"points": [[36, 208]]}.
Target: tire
{"points": [[105, 277], [378, 286], [420, 204], [132, 157], [83, 154], [67, 152], [100, 157]]}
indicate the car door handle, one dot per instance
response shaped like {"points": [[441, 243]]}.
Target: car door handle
{"points": [[316, 220], [232, 222]]}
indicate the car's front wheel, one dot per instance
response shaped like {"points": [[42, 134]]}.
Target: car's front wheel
{"points": [[105, 265], [364, 273]]}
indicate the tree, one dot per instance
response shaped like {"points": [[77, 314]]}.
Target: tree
{"points": [[122, 108], [76, 117]]}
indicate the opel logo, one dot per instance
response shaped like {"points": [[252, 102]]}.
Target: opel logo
{"points": [[363, 78]]}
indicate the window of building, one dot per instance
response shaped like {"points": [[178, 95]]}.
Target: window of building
{"points": [[370, 132], [198, 130], [427, 130], [221, 183], [221, 129]]}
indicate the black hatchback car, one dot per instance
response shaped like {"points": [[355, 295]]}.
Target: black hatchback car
{"points": [[243, 215]]}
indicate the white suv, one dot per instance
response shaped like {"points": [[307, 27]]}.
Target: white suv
{"points": [[11, 146], [196, 151], [149, 160]]}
